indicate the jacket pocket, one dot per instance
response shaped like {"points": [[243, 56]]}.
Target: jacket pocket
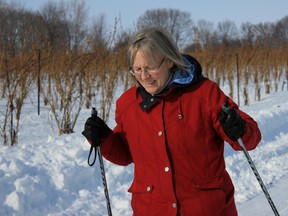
{"points": [[140, 188], [212, 196], [141, 198], [213, 184]]}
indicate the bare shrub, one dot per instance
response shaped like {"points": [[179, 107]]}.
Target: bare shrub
{"points": [[63, 88], [18, 76]]}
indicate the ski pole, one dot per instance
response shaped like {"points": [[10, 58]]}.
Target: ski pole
{"points": [[104, 182], [102, 169], [225, 109], [258, 177]]}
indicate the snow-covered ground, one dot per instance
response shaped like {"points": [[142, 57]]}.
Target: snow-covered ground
{"points": [[47, 174]]}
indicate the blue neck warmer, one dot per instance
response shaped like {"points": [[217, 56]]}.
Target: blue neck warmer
{"points": [[182, 77]]}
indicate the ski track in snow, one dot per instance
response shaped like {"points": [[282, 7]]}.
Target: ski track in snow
{"points": [[47, 174]]}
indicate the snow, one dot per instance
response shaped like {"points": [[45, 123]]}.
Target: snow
{"points": [[47, 174]]}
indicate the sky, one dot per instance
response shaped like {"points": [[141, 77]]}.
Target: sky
{"points": [[47, 174], [253, 11]]}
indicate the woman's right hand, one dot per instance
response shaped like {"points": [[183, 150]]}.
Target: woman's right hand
{"points": [[95, 129]]}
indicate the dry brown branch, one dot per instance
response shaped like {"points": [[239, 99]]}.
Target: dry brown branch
{"points": [[63, 88], [19, 78]]}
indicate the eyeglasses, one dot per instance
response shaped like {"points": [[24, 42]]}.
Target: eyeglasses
{"points": [[150, 70]]}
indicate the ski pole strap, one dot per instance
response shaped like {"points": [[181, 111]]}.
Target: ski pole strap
{"points": [[90, 153]]}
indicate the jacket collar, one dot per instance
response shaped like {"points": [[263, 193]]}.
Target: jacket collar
{"points": [[149, 101]]}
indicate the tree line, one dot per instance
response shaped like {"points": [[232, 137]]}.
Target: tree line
{"points": [[73, 63]]}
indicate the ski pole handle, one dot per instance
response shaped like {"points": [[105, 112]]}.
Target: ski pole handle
{"points": [[93, 112], [225, 107], [93, 115]]}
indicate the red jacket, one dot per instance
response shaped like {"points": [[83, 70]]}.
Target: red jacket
{"points": [[177, 150]]}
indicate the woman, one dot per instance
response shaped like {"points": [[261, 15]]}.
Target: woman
{"points": [[172, 127]]}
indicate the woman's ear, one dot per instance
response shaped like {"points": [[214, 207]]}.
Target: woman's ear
{"points": [[170, 64]]}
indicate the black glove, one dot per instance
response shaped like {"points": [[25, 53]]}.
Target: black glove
{"points": [[95, 130], [232, 124]]}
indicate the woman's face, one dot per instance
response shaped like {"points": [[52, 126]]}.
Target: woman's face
{"points": [[153, 76]]}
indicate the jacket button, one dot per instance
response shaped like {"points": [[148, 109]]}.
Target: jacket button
{"points": [[160, 133], [148, 188], [180, 116], [174, 205], [166, 169]]}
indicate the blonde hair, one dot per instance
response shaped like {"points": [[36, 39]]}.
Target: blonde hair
{"points": [[155, 41]]}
